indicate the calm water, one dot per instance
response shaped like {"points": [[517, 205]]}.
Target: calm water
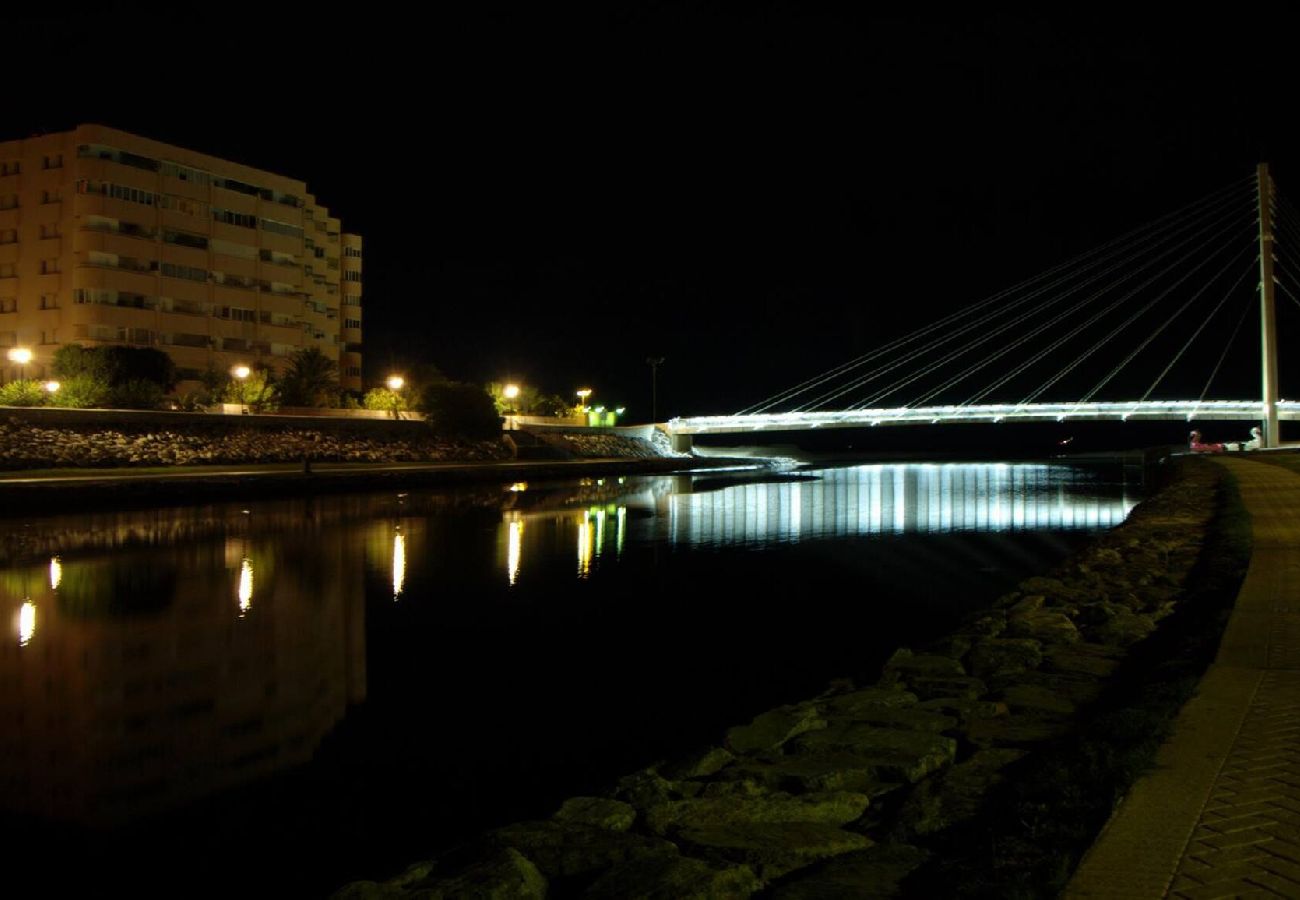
{"points": [[328, 688]]}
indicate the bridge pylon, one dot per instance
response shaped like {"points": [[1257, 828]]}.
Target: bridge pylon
{"points": [[1267, 321]]}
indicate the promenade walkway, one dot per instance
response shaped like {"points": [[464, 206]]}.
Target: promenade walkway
{"points": [[1220, 815]]}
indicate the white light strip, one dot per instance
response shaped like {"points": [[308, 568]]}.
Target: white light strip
{"points": [[1186, 410]]}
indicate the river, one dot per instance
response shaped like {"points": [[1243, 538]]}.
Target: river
{"points": [[296, 693]]}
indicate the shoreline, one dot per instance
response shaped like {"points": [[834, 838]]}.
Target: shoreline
{"points": [[84, 490]]}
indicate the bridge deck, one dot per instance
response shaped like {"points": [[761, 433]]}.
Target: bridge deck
{"points": [[1150, 410]]}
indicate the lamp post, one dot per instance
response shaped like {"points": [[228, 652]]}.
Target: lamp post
{"points": [[583, 394], [654, 363], [22, 356], [395, 383], [241, 373], [52, 387]]}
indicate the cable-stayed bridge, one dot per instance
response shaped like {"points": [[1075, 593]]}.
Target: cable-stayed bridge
{"points": [[1133, 329]]}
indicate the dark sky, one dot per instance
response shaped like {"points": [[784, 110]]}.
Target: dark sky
{"points": [[753, 191]]}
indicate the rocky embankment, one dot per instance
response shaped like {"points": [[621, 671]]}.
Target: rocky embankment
{"points": [[610, 446], [28, 446], [839, 795]]}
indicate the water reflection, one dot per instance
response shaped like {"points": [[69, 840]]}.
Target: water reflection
{"points": [[706, 511], [130, 690], [399, 564], [160, 655]]}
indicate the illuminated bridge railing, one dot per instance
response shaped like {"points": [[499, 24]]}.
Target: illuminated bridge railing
{"points": [[1187, 410]]}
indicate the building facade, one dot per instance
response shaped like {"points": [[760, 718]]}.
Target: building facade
{"points": [[111, 238]]}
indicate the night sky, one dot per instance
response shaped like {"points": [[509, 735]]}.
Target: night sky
{"points": [[753, 191]]}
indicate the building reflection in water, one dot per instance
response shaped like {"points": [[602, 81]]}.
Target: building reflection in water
{"points": [[699, 511], [136, 685]]}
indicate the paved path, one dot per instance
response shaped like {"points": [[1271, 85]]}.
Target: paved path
{"points": [[1220, 815]]}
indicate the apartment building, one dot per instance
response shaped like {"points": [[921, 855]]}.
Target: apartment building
{"points": [[111, 238]]}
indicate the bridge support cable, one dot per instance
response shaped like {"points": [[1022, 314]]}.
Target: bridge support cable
{"points": [[1071, 267], [1179, 355], [1033, 360], [1226, 347], [988, 331], [1092, 392], [1025, 338]]}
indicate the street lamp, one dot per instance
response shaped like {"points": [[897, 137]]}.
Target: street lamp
{"points": [[654, 362], [510, 391], [22, 356], [395, 383], [52, 387], [241, 372], [583, 394]]}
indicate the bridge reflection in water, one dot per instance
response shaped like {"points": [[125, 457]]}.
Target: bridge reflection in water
{"points": [[723, 510]]}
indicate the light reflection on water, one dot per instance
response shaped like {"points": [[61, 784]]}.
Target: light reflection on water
{"points": [[861, 501], [179, 652]]}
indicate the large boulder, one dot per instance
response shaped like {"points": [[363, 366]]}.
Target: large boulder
{"points": [[771, 849], [598, 811], [954, 795], [832, 808], [563, 849], [674, 878], [503, 874], [773, 728], [993, 656], [872, 874], [898, 754]]}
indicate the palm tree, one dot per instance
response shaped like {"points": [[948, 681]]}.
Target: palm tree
{"points": [[310, 380]]}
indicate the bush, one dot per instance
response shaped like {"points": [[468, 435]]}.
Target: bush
{"points": [[118, 366], [386, 399], [81, 391], [136, 394], [462, 410], [24, 392]]}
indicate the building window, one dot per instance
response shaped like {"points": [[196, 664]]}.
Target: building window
{"points": [[243, 220], [238, 314], [190, 273], [49, 301], [49, 337], [351, 323], [50, 230], [8, 235], [54, 162], [50, 266], [51, 195], [8, 304], [7, 270], [281, 228], [354, 371], [10, 167], [9, 201], [352, 276], [181, 238]]}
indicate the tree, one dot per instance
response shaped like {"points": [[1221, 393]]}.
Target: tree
{"points": [[459, 409], [258, 392], [311, 379]]}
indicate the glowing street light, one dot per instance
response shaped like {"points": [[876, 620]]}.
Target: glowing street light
{"points": [[52, 387], [510, 391], [20, 356], [241, 372], [583, 394], [395, 383]]}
